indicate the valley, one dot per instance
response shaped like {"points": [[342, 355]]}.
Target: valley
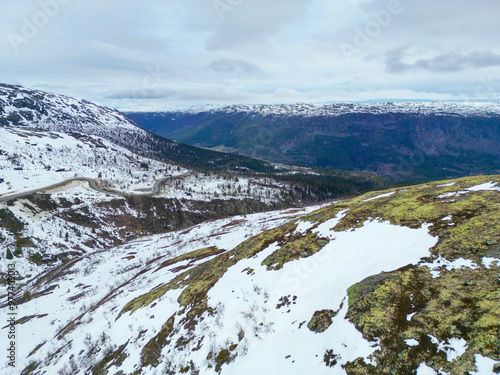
{"points": [[126, 253], [410, 141]]}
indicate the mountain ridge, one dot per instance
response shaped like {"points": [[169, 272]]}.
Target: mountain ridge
{"points": [[407, 140], [338, 108]]}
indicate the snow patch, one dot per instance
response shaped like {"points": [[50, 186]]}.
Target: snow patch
{"points": [[454, 348], [488, 262], [492, 186], [409, 316], [484, 365], [436, 265], [411, 342], [380, 196], [423, 369]]}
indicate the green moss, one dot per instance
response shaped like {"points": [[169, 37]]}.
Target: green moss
{"points": [[295, 247], [37, 258], [321, 321], [222, 358], [31, 368], [114, 358], [152, 350], [414, 206], [446, 307]]}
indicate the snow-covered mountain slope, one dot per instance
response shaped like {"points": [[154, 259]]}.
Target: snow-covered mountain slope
{"points": [[397, 282], [337, 109], [32, 112], [20, 106], [73, 219], [36, 158]]}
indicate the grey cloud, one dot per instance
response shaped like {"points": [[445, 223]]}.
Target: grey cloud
{"points": [[142, 93], [250, 50], [449, 62], [235, 66], [252, 22]]}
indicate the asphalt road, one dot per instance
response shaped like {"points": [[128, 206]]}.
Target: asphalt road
{"points": [[93, 184]]}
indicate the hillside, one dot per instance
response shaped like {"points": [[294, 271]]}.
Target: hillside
{"points": [[23, 107], [404, 281], [32, 123], [71, 181], [405, 140]]}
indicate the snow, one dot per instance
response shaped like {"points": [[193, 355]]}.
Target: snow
{"points": [[491, 186], [100, 273], [338, 109], [488, 262], [351, 257], [380, 196], [484, 365], [240, 300], [446, 185], [411, 342], [409, 316], [303, 226], [454, 348], [60, 112], [436, 266], [423, 369]]}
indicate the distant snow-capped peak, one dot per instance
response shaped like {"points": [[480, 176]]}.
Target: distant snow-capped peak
{"points": [[337, 109]]}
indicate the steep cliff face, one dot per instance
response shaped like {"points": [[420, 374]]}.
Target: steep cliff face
{"points": [[430, 140]]}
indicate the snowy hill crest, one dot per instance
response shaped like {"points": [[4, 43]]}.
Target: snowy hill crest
{"points": [[338, 109], [34, 108]]}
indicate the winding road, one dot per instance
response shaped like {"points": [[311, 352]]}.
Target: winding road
{"points": [[94, 184]]}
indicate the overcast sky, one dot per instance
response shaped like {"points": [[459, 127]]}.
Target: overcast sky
{"points": [[130, 53]]}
